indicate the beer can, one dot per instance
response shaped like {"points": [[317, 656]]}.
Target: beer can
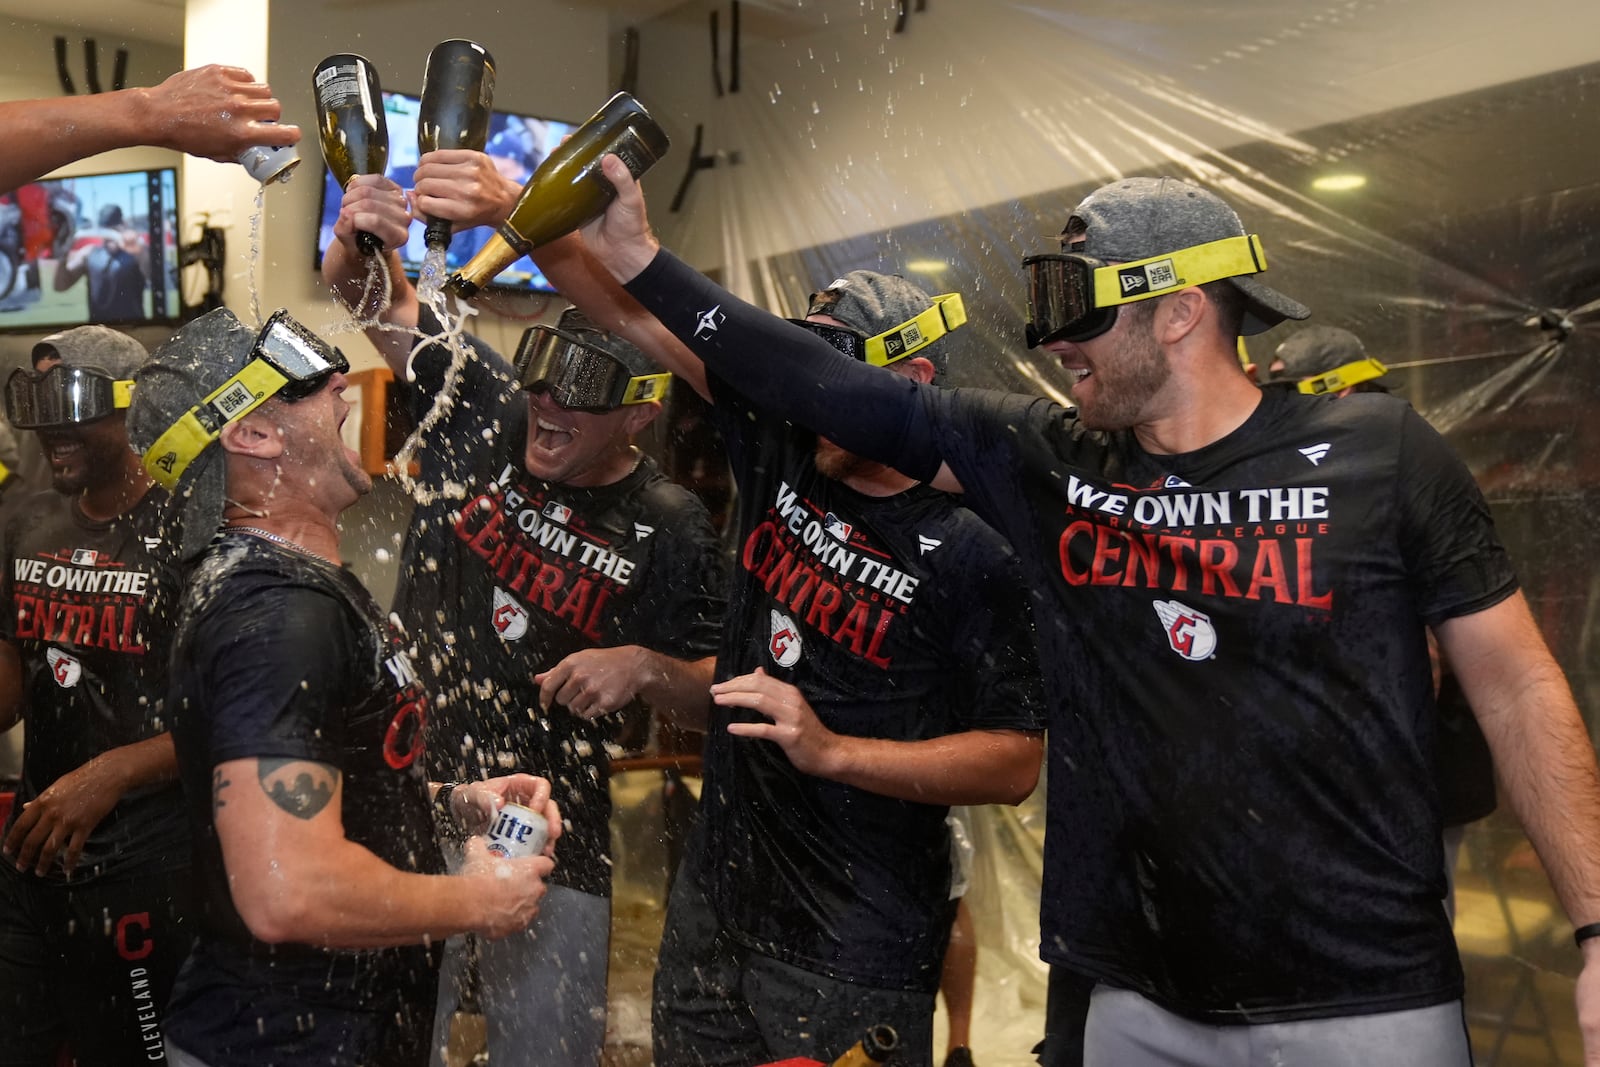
{"points": [[517, 831], [270, 163]]}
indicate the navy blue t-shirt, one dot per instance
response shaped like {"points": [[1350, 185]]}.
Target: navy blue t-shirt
{"points": [[280, 655], [899, 617]]}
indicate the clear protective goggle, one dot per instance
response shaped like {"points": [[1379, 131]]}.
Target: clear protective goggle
{"points": [[907, 339], [1343, 377], [1073, 297], [287, 361], [580, 376], [63, 396]]}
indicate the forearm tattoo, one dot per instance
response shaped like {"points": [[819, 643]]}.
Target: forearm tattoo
{"points": [[218, 784], [299, 787]]}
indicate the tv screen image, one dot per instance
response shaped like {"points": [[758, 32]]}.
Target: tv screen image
{"points": [[95, 248], [517, 144]]}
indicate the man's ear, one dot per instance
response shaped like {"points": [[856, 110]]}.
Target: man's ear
{"points": [[252, 435], [1180, 314], [917, 368], [640, 416]]}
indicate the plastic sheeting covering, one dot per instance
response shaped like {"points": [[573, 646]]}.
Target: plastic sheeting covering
{"points": [[1421, 173]]}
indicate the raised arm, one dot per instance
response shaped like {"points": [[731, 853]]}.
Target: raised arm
{"points": [[1545, 760], [374, 204], [212, 111], [294, 876], [776, 364]]}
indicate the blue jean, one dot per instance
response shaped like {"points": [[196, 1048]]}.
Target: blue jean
{"points": [[719, 1004]]}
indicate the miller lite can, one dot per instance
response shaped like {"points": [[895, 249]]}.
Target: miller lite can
{"points": [[516, 831]]}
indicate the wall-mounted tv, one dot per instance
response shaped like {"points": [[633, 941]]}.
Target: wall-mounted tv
{"points": [[93, 248], [517, 143]]}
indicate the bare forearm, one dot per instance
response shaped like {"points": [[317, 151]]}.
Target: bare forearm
{"points": [[974, 767], [11, 702], [349, 275], [677, 689], [344, 896], [1540, 745], [45, 134], [141, 763]]}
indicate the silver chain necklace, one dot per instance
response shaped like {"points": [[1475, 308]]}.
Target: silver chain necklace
{"points": [[277, 539]]}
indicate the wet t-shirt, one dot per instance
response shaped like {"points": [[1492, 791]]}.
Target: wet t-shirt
{"points": [[899, 617], [1243, 822], [504, 575], [281, 655], [88, 605]]}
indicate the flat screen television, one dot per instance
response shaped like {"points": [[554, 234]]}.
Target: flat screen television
{"points": [[92, 248], [517, 143]]}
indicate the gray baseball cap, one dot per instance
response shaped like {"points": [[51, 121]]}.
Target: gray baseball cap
{"points": [[1313, 350], [193, 363], [589, 332], [1138, 218], [873, 303], [94, 348]]}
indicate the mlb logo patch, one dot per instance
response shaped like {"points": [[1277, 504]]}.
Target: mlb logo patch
{"points": [[558, 512], [837, 527], [85, 557]]}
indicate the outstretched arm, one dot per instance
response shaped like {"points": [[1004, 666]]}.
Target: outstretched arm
{"points": [[598, 681], [777, 365], [1545, 760], [213, 111]]}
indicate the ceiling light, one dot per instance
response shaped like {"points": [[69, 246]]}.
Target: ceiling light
{"points": [[1339, 183], [927, 266]]}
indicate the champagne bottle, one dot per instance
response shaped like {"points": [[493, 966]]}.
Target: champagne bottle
{"points": [[457, 98], [351, 124], [873, 1049], [568, 189]]}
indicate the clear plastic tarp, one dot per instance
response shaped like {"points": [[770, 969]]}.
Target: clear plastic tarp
{"points": [[1422, 173]]}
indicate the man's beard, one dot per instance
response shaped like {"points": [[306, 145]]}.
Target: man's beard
{"points": [[834, 462], [1126, 379]]}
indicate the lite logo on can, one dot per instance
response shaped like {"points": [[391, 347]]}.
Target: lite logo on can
{"points": [[517, 831]]}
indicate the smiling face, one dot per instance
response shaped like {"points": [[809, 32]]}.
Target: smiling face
{"points": [[1119, 373], [84, 455], [581, 448]]}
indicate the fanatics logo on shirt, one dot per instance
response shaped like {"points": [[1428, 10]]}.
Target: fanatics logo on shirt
{"points": [[1317, 453], [1189, 632], [785, 642], [641, 531], [509, 619], [927, 544]]}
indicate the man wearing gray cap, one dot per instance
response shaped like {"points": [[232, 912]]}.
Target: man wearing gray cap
{"points": [[879, 638], [299, 722], [93, 895], [1326, 359], [553, 578], [1237, 584]]}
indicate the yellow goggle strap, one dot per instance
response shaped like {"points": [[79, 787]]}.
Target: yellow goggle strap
{"points": [[647, 387], [121, 393], [1362, 370], [1124, 283], [181, 445], [908, 338]]}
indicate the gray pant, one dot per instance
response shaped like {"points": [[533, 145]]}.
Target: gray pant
{"points": [[543, 990], [1127, 1030]]}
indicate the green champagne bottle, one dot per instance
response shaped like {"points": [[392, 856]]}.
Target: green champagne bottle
{"points": [[568, 189], [457, 99], [351, 124]]}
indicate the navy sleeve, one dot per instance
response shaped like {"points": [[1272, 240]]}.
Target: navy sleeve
{"points": [[864, 409], [1452, 552], [274, 689]]}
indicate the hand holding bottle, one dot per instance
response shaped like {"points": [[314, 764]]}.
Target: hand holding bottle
{"points": [[464, 187], [351, 125], [620, 238], [457, 100]]}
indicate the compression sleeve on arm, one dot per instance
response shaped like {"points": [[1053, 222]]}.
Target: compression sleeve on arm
{"points": [[785, 369]]}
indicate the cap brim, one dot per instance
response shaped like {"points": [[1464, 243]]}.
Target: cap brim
{"points": [[1265, 306]]}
